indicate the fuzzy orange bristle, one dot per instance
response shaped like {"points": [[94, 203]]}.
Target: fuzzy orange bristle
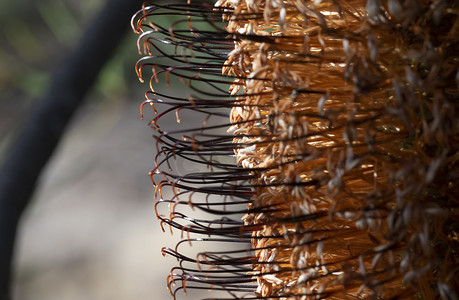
{"points": [[344, 125]]}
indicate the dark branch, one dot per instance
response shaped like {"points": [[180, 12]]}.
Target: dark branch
{"points": [[42, 131]]}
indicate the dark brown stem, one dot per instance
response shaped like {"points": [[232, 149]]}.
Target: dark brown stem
{"points": [[43, 129]]}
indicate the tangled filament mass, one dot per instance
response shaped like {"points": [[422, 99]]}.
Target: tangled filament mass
{"points": [[323, 140]]}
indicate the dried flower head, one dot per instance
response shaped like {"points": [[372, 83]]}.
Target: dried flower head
{"points": [[343, 119]]}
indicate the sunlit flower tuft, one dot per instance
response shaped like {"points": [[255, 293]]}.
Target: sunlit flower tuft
{"points": [[342, 117]]}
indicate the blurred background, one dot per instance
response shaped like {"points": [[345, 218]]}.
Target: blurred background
{"points": [[90, 231]]}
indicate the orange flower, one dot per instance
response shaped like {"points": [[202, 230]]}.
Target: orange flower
{"points": [[342, 116]]}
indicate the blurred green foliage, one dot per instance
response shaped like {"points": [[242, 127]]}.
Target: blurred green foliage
{"points": [[36, 37]]}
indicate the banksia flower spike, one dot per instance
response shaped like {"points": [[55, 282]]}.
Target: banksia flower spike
{"points": [[337, 176]]}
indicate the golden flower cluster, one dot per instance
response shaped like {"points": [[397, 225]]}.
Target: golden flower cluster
{"points": [[344, 122]]}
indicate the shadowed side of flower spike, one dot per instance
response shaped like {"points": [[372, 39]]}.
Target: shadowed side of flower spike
{"points": [[343, 118]]}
